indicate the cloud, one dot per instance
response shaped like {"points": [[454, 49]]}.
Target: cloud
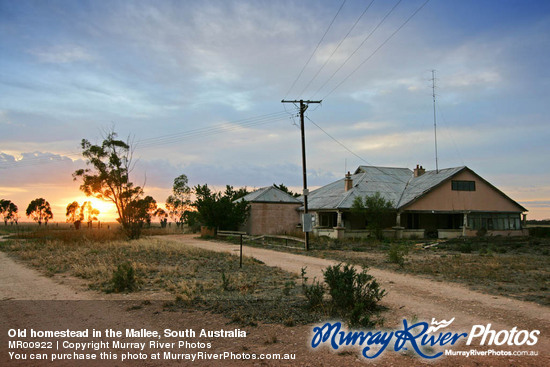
{"points": [[157, 69], [8, 190], [36, 168], [370, 125], [4, 118], [484, 78], [536, 204], [61, 54]]}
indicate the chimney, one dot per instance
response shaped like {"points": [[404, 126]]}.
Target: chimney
{"points": [[419, 171], [348, 181]]}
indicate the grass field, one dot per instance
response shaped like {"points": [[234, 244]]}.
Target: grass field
{"points": [[24, 227], [512, 267], [196, 278]]}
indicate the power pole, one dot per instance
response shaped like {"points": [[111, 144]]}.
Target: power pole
{"points": [[303, 107]]}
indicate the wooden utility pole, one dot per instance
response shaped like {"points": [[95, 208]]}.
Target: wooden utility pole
{"points": [[303, 107]]}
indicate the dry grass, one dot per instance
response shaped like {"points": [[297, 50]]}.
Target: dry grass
{"points": [[65, 232], [197, 278]]}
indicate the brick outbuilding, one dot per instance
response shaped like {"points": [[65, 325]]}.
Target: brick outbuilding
{"points": [[272, 211]]}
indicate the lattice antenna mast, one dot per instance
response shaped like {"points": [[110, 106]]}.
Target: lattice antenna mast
{"points": [[435, 121]]}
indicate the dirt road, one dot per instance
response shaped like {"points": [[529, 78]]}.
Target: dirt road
{"points": [[30, 300], [415, 297]]}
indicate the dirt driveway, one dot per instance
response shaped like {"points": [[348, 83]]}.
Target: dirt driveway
{"points": [[410, 295], [30, 300]]}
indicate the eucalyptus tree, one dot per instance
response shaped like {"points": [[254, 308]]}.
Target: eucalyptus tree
{"points": [[40, 211], [107, 177]]}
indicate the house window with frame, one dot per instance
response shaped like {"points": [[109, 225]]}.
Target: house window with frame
{"points": [[494, 221], [463, 185], [328, 219]]}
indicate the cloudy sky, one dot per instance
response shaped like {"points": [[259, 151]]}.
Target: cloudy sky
{"points": [[198, 87]]}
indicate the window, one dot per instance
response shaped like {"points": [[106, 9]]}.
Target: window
{"points": [[494, 221], [328, 219], [463, 185]]}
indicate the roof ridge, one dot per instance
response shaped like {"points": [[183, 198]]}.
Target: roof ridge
{"points": [[397, 205]]}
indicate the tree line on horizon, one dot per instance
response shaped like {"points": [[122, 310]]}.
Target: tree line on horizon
{"points": [[107, 177], [38, 209]]}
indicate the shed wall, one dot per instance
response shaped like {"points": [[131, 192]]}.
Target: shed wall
{"points": [[272, 218]]}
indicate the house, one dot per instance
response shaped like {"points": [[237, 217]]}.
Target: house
{"points": [[272, 211], [447, 203]]}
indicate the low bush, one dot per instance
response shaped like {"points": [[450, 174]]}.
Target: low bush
{"points": [[354, 295], [314, 294], [397, 253], [543, 232], [124, 278]]}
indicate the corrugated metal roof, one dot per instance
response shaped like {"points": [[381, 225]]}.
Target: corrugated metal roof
{"points": [[270, 194], [397, 185], [418, 186]]}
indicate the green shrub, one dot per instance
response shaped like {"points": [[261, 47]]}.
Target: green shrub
{"points": [[289, 286], [482, 232], [397, 253], [542, 232], [314, 294], [226, 282], [465, 248], [355, 295], [341, 285], [124, 278]]}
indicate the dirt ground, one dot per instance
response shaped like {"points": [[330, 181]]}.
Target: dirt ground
{"points": [[29, 300]]}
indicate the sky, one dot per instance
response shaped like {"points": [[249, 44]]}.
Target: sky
{"points": [[196, 86]]}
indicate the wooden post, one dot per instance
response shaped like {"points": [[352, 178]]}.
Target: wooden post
{"points": [[241, 259], [303, 107]]}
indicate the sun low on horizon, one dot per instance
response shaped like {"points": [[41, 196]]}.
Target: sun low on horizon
{"points": [[107, 209]]}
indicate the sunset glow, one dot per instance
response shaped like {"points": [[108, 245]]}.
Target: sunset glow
{"points": [[198, 86], [107, 210]]}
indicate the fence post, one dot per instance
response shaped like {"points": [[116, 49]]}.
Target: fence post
{"points": [[241, 259]]}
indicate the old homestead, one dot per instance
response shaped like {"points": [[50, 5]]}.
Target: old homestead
{"points": [[448, 203]]}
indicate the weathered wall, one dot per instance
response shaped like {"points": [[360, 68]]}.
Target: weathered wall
{"points": [[272, 218], [485, 198]]}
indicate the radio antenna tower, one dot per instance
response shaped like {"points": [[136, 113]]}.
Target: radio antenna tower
{"points": [[435, 122]]}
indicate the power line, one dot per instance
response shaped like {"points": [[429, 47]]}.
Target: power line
{"points": [[397, 178], [337, 47], [316, 48], [215, 129], [163, 139], [358, 47], [338, 142], [377, 49]]}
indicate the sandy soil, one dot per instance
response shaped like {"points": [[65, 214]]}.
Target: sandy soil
{"points": [[30, 300]]}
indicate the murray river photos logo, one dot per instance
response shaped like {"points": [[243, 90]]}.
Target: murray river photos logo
{"points": [[420, 337]]}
